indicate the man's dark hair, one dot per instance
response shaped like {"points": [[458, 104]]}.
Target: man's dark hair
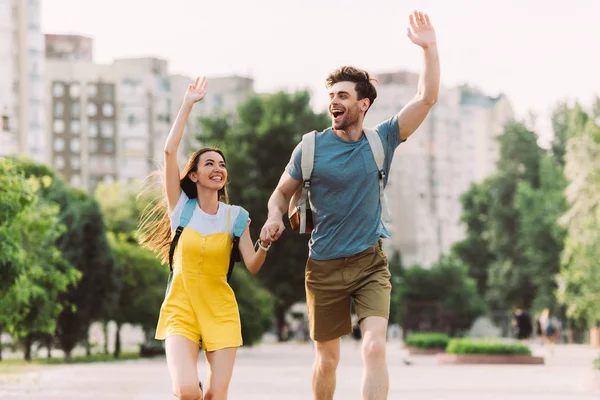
{"points": [[364, 88]]}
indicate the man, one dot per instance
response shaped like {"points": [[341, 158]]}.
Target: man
{"points": [[346, 259], [522, 324]]}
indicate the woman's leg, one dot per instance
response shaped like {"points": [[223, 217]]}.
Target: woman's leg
{"points": [[220, 369], [182, 360]]}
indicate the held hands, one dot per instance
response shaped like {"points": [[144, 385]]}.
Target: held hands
{"points": [[421, 30], [272, 230], [196, 91]]}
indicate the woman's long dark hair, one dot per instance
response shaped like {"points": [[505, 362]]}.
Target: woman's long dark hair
{"points": [[154, 231]]}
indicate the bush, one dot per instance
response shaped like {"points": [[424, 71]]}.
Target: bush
{"points": [[597, 363], [492, 347], [428, 340]]}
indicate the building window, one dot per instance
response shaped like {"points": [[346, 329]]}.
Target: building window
{"points": [[59, 162], [75, 127], [59, 126], [92, 110], [92, 90], [58, 89], [108, 179], [75, 145], [59, 144], [108, 129], [76, 180], [131, 120], [75, 110], [108, 110], [108, 146], [93, 145], [75, 163], [75, 90], [59, 110], [93, 181], [107, 92], [93, 129], [5, 124]]}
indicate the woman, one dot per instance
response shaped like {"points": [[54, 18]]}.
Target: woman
{"points": [[200, 309]]}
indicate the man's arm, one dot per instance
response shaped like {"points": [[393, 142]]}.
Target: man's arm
{"points": [[278, 206], [412, 115]]}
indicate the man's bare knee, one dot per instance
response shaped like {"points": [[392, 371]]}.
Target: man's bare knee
{"points": [[327, 356], [373, 348], [216, 392]]}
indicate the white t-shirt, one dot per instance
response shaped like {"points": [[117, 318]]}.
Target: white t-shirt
{"points": [[204, 223]]}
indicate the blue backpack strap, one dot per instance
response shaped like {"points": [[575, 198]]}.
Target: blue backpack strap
{"points": [[240, 224], [184, 219]]}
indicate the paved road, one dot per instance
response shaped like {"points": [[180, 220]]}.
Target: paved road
{"points": [[282, 371]]}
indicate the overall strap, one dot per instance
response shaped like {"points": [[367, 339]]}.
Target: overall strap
{"points": [[379, 156], [240, 224], [184, 219]]}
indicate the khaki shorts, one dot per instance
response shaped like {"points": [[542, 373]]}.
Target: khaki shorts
{"points": [[331, 284]]}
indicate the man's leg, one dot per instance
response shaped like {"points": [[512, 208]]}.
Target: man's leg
{"points": [[371, 292], [327, 358], [328, 304], [375, 382]]}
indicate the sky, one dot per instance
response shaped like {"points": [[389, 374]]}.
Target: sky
{"points": [[534, 51]]}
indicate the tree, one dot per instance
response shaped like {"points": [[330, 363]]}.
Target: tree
{"points": [[540, 235], [16, 196], [579, 267], [142, 290], [397, 271], [440, 298], [31, 305], [475, 250], [258, 144], [84, 245]]}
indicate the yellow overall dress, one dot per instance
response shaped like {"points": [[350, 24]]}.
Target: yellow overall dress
{"points": [[199, 303]]}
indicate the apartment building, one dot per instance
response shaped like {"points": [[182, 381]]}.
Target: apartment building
{"points": [[22, 118], [454, 147], [110, 122]]}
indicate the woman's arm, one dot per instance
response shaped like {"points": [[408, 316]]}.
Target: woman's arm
{"points": [[195, 92], [253, 259]]}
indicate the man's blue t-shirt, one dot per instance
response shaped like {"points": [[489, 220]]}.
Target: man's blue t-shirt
{"points": [[344, 192]]}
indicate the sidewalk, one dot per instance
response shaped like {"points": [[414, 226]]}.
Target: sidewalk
{"points": [[283, 371]]}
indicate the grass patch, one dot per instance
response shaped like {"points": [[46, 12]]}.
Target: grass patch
{"points": [[20, 365], [490, 347], [428, 340]]}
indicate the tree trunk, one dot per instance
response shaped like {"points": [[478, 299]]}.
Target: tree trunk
{"points": [[118, 341], [88, 347], [49, 345], [105, 331], [282, 333], [27, 344]]}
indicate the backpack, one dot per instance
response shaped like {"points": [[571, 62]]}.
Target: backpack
{"points": [[238, 228], [299, 211]]}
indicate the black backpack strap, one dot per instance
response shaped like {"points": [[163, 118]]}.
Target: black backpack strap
{"points": [[238, 228], [186, 215]]}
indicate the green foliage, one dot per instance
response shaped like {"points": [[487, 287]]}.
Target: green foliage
{"points": [[397, 271], [258, 144], [83, 244], [489, 347], [255, 305], [597, 363], [433, 340], [579, 269], [16, 196], [143, 284], [444, 295], [513, 241]]}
